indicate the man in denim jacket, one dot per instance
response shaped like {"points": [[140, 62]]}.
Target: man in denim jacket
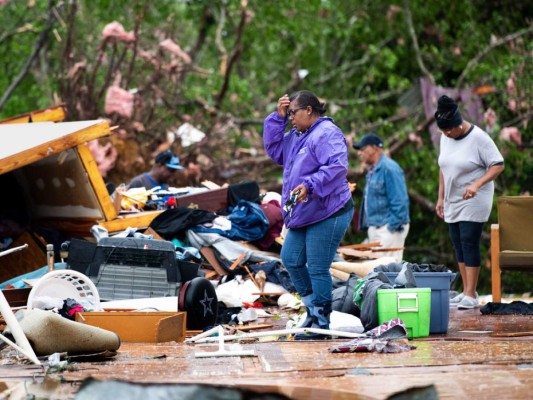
{"points": [[385, 207]]}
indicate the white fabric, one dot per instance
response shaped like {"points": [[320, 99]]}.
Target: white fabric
{"points": [[234, 293], [339, 321], [389, 239], [463, 162]]}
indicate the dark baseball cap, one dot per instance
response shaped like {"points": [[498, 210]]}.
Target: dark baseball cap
{"points": [[368, 139], [169, 160]]}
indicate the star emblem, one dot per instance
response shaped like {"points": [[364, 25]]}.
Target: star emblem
{"points": [[207, 303]]}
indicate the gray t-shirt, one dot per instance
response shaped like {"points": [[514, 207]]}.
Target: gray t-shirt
{"points": [[143, 180], [463, 162]]}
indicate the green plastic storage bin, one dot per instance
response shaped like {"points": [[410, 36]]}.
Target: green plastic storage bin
{"points": [[412, 306], [439, 283]]}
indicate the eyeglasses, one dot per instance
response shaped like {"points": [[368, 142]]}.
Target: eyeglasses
{"points": [[291, 113]]}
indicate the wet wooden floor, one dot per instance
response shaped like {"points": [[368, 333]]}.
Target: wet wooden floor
{"points": [[467, 362]]}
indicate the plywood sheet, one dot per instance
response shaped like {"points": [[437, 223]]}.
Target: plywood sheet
{"points": [[31, 142]]}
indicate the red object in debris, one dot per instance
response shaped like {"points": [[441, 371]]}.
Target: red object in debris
{"points": [[76, 309], [252, 305], [171, 202]]}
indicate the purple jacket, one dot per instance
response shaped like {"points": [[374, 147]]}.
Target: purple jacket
{"points": [[318, 159]]}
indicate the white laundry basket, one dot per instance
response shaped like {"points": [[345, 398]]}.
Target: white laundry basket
{"points": [[65, 284]]}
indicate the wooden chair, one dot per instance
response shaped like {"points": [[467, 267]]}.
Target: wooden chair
{"points": [[511, 239]]}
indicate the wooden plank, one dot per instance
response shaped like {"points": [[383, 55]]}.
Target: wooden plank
{"points": [[17, 297], [247, 328], [51, 114], [211, 275], [97, 182], [140, 220], [357, 253], [156, 235], [40, 140], [381, 249], [251, 277], [56, 114], [237, 262], [210, 200], [209, 254], [360, 246]]}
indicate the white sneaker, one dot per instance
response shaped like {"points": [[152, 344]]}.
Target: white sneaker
{"points": [[467, 303], [456, 300]]}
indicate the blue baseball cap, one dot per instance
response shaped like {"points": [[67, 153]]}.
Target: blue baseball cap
{"points": [[368, 139], [169, 160]]}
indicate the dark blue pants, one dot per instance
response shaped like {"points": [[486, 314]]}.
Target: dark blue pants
{"points": [[466, 237]]}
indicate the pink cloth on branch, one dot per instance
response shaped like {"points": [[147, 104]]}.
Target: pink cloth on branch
{"points": [[174, 48], [120, 101], [115, 30]]}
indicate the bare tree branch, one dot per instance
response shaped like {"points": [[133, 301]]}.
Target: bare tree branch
{"points": [[394, 118], [39, 44], [219, 42], [410, 25], [136, 29], [377, 97], [523, 117], [487, 49], [234, 55]]}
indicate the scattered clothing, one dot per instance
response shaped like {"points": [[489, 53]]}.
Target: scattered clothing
{"points": [[272, 210], [170, 223], [275, 273], [369, 308], [389, 337], [373, 345], [513, 308], [342, 297]]}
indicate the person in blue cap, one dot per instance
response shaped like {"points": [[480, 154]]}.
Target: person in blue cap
{"points": [[165, 165], [384, 211]]}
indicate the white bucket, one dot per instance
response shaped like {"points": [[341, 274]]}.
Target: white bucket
{"points": [[63, 284]]}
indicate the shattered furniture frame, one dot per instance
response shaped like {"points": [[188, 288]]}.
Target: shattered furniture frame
{"points": [[59, 177], [511, 239]]}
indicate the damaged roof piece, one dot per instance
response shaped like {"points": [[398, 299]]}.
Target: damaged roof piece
{"points": [[34, 141], [52, 114]]}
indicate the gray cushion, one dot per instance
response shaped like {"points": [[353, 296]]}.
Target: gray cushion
{"points": [[516, 260]]}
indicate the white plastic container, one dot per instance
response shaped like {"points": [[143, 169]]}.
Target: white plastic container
{"points": [[63, 284]]}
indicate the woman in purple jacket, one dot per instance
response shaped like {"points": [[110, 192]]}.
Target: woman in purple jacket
{"points": [[318, 205]]}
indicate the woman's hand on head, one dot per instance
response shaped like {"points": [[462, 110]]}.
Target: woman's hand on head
{"points": [[283, 105]]}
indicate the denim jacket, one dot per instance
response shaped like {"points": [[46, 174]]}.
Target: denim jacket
{"points": [[385, 199]]}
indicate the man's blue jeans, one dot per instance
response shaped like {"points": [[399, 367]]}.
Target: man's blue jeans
{"points": [[307, 254]]}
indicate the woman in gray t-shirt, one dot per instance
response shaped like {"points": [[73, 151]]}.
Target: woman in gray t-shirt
{"points": [[469, 162]]}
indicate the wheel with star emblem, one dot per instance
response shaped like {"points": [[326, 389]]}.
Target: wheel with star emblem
{"points": [[199, 299]]}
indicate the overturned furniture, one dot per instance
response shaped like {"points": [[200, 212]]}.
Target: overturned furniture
{"points": [[57, 177], [511, 239]]}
